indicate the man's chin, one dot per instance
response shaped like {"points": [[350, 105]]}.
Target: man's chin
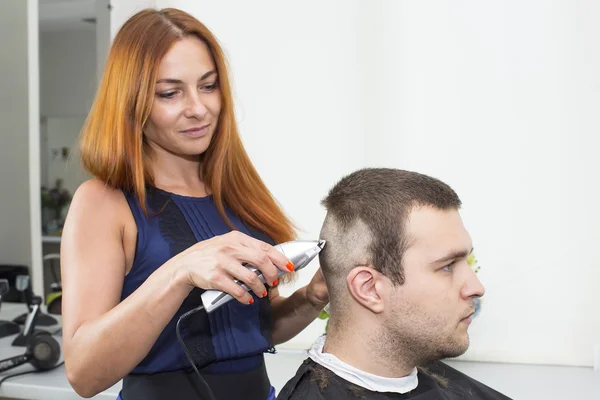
{"points": [[454, 348], [457, 348], [456, 352]]}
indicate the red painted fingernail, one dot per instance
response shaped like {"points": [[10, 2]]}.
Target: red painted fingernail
{"points": [[275, 282], [290, 266], [251, 300], [264, 293]]}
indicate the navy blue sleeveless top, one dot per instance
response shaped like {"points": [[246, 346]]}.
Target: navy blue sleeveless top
{"points": [[231, 339]]}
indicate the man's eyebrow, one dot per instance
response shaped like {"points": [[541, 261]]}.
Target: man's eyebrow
{"points": [[177, 81], [453, 255]]}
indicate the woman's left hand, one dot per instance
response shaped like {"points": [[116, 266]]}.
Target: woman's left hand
{"points": [[316, 291], [292, 314]]}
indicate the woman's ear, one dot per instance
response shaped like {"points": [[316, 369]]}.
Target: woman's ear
{"points": [[367, 287]]}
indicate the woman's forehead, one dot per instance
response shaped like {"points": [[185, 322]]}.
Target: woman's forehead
{"points": [[187, 58]]}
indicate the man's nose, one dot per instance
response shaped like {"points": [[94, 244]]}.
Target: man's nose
{"points": [[472, 286]]}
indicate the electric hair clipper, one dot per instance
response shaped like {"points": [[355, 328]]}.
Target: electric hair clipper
{"points": [[299, 252]]}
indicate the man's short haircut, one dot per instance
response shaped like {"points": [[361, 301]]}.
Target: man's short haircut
{"points": [[366, 218]]}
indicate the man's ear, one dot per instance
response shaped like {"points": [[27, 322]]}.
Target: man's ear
{"points": [[367, 287]]}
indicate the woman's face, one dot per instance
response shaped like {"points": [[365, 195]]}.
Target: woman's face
{"points": [[187, 101]]}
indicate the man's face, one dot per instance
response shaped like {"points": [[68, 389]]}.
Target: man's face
{"points": [[428, 314]]}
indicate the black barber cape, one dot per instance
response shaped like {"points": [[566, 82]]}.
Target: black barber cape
{"points": [[437, 381]]}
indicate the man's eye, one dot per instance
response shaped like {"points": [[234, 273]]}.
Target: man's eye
{"points": [[449, 267]]}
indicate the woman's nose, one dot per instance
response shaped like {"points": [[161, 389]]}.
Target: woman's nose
{"points": [[195, 108]]}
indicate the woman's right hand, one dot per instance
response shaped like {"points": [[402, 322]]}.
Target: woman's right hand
{"points": [[216, 262]]}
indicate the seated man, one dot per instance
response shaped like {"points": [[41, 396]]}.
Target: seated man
{"points": [[401, 293]]}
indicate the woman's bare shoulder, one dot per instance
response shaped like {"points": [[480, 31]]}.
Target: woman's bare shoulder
{"points": [[97, 198]]}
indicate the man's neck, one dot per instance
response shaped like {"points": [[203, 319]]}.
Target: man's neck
{"points": [[359, 349]]}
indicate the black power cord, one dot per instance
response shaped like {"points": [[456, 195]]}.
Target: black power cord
{"points": [[210, 395], [29, 372]]}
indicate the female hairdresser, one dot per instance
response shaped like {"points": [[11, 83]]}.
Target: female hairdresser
{"points": [[176, 206]]}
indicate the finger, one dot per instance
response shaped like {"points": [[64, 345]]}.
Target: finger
{"points": [[247, 276], [225, 283], [277, 258], [258, 254]]}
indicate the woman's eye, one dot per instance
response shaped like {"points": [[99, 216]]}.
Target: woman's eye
{"points": [[210, 87], [167, 95]]}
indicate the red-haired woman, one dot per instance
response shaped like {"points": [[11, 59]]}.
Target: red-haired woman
{"points": [[175, 207]]}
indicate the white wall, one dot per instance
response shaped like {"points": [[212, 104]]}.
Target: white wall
{"points": [[19, 217], [103, 37], [67, 72], [63, 133], [15, 242], [500, 99], [497, 99], [67, 89], [33, 92]]}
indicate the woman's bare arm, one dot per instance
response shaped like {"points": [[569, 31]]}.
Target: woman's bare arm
{"points": [[103, 338]]}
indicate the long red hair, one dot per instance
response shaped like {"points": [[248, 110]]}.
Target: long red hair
{"points": [[112, 146]]}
